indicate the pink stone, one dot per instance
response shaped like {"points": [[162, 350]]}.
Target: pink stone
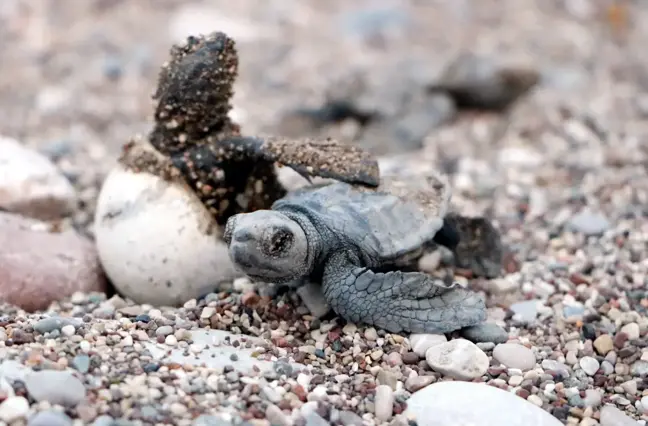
{"points": [[39, 266]]}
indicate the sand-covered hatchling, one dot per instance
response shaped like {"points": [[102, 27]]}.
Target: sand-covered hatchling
{"points": [[160, 211], [362, 244]]}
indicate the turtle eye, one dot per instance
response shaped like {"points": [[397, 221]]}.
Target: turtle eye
{"points": [[280, 241]]}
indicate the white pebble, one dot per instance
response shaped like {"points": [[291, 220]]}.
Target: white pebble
{"points": [[632, 330], [85, 346], [171, 340], [422, 342], [589, 365], [535, 400], [68, 330], [207, 312], [384, 403], [14, 408], [459, 358]]}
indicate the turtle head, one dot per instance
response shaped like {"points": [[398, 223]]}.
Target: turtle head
{"points": [[267, 246]]}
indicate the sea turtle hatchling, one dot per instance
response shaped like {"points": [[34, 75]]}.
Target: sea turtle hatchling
{"points": [[356, 240]]}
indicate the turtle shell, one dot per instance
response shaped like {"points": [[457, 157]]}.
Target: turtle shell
{"points": [[386, 224]]}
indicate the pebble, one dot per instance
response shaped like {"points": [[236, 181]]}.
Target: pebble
{"points": [[632, 330], [420, 343], [13, 408], [593, 398], [458, 358], [603, 344], [416, 383], [527, 310], [81, 363], [39, 266], [589, 223], [31, 185], [56, 387], [453, 403], [513, 355], [384, 402], [612, 416], [49, 418], [49, 324], [485, 332], [277, 417], [589, 365]]}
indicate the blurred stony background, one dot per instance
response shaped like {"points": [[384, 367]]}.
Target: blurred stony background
{"points": [[562, 173]]}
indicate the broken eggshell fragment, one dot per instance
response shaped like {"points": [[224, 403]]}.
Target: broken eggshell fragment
{"points": [[156, 241]]}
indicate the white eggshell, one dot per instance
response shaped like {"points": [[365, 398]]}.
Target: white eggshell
{"points": [[156, 241]]}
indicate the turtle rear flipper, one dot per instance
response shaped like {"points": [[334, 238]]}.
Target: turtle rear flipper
{"points": [[325, 158], [399, 301], [480, 248]]}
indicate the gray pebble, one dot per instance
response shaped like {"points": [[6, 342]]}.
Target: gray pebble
{"points": [[207, 420], [49, 418], [47, 325], [485, 332], [593, 398], [314, 419], [514, 355], [164, 330], [589, 223], [81, 363], [639, 369], [57, 387], [349, 418], [527, 310], [104, 420], [612, 416]]}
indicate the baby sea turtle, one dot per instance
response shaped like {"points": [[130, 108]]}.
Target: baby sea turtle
{"points": [[229, 172], [357, 241]]}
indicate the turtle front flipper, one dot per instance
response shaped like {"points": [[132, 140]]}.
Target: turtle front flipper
{"points": [[325, 158], [398, 301], [479, 248]]}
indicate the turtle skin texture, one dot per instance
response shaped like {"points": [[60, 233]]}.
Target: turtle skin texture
{"points": [[352, 239]]}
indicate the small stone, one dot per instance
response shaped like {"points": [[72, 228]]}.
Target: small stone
{"points": [[593, 398], [603, 344], [164, 330], [384, 403], [56, 387], [49, 324], [417, 383], [68, 330], [349, 418], [207, 312], [514, 355], [277, 417], [459, 358], [81, 363], [14, 408], [632, 330], [171, 340], [527, 310], [422, 342], [589, 365], [387, 378], [49, 418], [612, 416], [589, 223], [535, 400], [371, 334], [485, 332]]}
